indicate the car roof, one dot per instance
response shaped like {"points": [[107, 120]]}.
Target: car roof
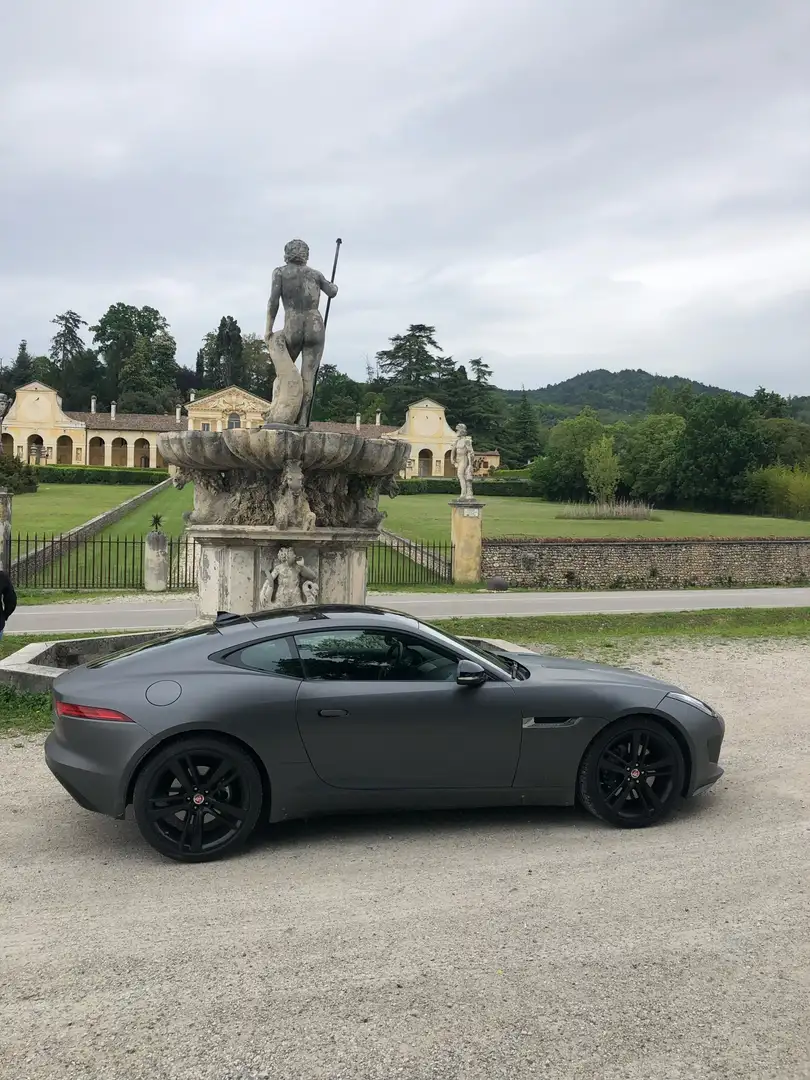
{"points": [[284, 620]]}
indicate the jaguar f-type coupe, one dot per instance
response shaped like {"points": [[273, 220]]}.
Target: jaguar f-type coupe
{"points": [[317, 710]]}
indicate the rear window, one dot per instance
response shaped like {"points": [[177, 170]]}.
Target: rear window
{"points": [[170, 642]]}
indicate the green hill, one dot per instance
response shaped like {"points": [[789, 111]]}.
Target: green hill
{"points": [[619, 393]]}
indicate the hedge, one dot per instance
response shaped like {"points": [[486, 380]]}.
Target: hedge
{"points": [[89, 474], [484, 487]]}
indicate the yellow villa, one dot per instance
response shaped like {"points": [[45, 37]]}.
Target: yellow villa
{"points": [[37, 430]]}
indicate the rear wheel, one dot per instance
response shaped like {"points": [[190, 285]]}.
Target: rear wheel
{"points": [[632, 774], [198, 799]]}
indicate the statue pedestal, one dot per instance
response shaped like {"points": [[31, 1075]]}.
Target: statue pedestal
{"points": [[466, 534], [235, 565]]}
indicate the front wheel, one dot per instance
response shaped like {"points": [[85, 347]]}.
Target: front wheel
{"points": [[632, 774], [198, 799]]}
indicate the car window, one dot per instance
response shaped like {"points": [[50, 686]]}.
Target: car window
{"points": [[160, 645], [272, 657], [373, 656]]}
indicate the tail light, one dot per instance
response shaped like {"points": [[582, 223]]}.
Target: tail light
{"points": [[91, 712]]}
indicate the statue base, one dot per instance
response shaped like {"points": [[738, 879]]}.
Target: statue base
{"points": [[247, 568]]}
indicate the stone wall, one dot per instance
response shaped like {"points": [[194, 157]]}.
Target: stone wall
{"points": [[646, 564], [26, 566]]}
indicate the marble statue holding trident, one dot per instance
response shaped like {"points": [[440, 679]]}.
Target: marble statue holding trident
{"points": [[462, 456], [298, 287]]}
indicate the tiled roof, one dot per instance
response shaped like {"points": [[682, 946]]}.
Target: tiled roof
{"points": [[129, 421], [368, 431]]}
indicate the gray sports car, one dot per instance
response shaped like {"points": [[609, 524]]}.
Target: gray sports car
{"points": [[289, 714]]}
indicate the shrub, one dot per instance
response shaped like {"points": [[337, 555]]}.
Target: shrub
{"points": [[484, 487], [16, 477], [780, 491], [511, 474], [620, 510], [90, 474]]}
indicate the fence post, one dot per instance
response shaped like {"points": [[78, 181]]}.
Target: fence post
{"points": [[5, 529], [156, 562], [466, 533]]}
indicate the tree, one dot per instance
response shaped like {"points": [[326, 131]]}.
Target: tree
{"points": [[481, 371], [116, 334], [789, 440], [337, 397], [769, 404], [674, 400], [651, 457], [601, 469], [560, 473], [524, 441], [83, 377], [721, 444], [230, 365], [22, 370], [164, 366], [137, 374], [409, 360], [66, 342], [258, 374]]}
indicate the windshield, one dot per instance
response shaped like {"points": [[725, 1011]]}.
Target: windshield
{"points": [[481, 650]]}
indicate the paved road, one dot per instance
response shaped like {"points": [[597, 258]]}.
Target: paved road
{"points": [[498, 945], [136, 613]]}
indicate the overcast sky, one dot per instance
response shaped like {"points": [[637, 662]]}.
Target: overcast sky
{"points": [[556, 185]]}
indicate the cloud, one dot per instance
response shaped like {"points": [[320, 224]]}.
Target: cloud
{"points": [[554, 186]]}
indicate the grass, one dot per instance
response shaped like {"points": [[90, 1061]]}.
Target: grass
{"points": [[169, 503], [620, 510], [26, 714], [55, 508], [427, 517], [605, 637]]}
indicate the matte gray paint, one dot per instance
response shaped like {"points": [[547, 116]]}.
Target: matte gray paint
{"points": [[402, 745]]}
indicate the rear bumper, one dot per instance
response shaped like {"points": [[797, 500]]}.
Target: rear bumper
{"points": [[93, 763]]}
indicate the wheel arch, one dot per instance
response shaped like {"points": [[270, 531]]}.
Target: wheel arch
{"points": [[667, 723], [205, 732]]}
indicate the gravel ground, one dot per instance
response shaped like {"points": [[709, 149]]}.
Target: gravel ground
{"points": [[465, 946]]}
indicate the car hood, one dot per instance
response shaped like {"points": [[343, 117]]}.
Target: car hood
{"points": [[560, 669]]}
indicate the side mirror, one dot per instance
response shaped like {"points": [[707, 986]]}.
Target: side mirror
{"points": [[470, 674]]}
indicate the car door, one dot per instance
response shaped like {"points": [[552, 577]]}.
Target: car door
{"points": [[381, 709]]}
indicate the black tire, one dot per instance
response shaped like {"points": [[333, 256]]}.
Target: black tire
{"points": [[184, 817], [632, 774]]}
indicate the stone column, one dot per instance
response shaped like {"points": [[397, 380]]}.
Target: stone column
{"points": [[153, 454], [466, 534], [156, 562], [5, 529], [130, 453], [108, 452]]}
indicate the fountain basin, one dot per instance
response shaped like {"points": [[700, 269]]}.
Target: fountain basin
{"points": [[268, 450]]}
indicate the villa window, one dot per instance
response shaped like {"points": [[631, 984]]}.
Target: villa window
{"points": [[234, 420], [205, 427]]}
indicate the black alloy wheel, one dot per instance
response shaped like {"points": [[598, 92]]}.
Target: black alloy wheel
{"points": [[198, 799], [633, 774]]}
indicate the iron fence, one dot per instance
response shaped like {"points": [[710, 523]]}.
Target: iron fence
{"points": [[69, 563], [397, 561]]}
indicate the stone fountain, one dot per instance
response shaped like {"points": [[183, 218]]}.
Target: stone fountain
{"points": [[283, 515]]}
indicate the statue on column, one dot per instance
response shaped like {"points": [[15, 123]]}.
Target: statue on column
{"points": [[462, 456], [298, 287]]}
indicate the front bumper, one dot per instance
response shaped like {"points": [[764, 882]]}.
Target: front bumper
{"points": [[704, 737], [93, 759]]}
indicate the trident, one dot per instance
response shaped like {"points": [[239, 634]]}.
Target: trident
{"points": [[338, 242]]}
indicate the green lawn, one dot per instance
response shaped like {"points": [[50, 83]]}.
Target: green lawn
{"points": [[55, 508], [169, 503], [427, 517]]}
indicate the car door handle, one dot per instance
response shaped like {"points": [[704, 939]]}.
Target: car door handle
{"points": [[332, 712]]}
